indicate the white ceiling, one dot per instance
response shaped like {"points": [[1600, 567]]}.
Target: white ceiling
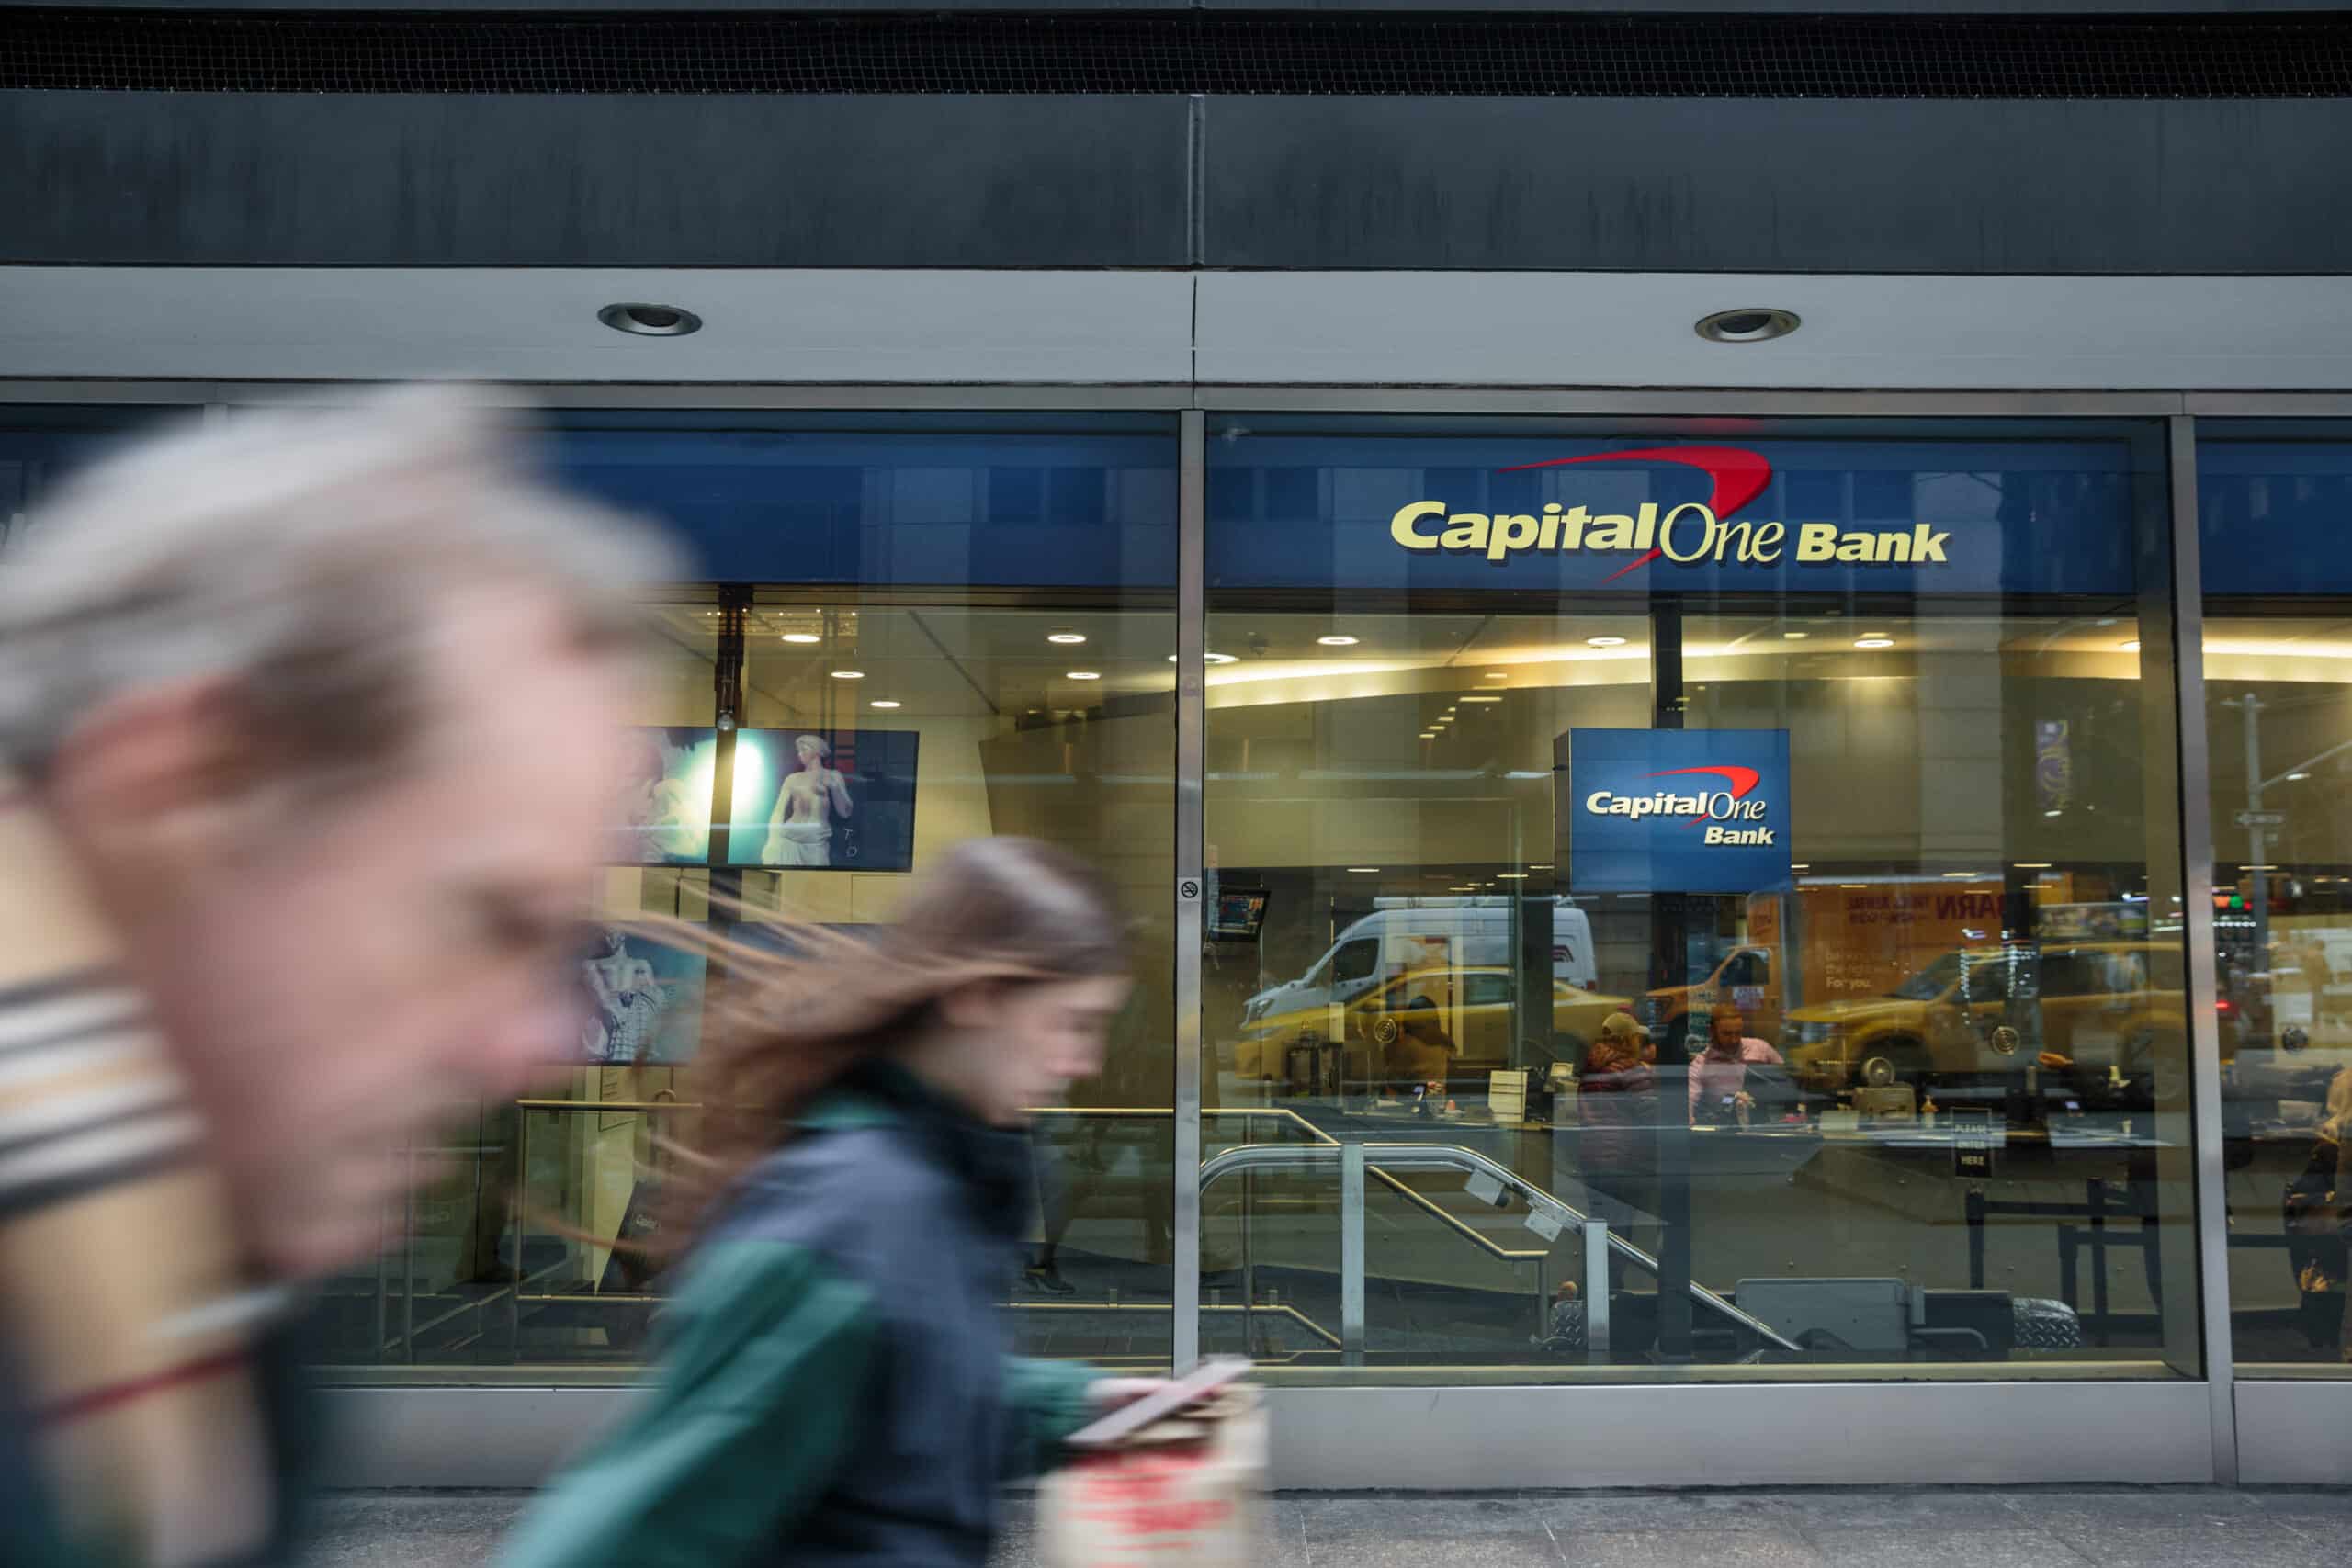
{"points": [[1573, 330]]}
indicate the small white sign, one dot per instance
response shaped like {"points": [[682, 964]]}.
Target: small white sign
{"points": [[1506, 1096], [1484, 1188], [1545, 1222]]}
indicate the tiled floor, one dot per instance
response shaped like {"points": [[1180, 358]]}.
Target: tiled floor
{"points": [[2029, 1528]]}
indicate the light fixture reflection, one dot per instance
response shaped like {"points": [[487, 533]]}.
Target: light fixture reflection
{"points": [[882, 703], [1335, 640], [1873, 641], [1083, 674], [1604, 642], [849, 674], [802, 637]]}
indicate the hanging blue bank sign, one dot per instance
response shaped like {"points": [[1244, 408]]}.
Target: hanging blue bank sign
{"points": [[1676, 810]]}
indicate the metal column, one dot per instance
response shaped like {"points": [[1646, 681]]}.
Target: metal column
{"points": [[2196, 907], [1192, 499], [1596, 1290], [1351, 1255], [1671, 940]]}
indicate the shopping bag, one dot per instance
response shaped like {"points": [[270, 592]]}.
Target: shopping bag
{"points": [[1187, 1492]]}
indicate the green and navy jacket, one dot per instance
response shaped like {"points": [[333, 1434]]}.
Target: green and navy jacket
{"points": [[833, 1384]]}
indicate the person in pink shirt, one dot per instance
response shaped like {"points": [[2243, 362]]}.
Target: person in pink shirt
{"points": [[1721, 1070]]}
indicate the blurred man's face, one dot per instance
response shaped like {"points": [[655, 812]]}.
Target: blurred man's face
{"points": [[1730, 1028], [343, 980]]}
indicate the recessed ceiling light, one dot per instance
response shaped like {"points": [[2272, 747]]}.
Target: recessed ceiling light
{"points": [[2032, 865], [1083, 674], [1873, 641], [1335, 640], [802, 637], [1364, 870], [1066, 638], [1487, 699], [1796, 637], [2292, 777], [1428, 734], [2054, 811], [1853, 886], [650, 320], [1748, 324], [1497, 674], [1959, 874], [1800, 865], [1511, 876], [849, 674], [1212, 658], [882, 703], [2132, 645], [1604, 642]]}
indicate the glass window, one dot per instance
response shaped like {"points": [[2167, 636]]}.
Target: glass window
{"points": [[906, 632], [2271, 503], [40, 446], [1814, 752], [1354, 960]]}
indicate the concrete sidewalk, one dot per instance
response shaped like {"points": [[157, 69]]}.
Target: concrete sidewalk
{"points": [[1929, 1527]]}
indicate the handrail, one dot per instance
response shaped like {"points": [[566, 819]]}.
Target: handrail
{"points": [[1450, 1156], [1323, 1147]]}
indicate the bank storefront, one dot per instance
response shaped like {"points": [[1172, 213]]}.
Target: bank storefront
{"points": [[1956, 801]]}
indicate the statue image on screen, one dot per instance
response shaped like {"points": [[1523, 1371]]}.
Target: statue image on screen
{"points": [[800, 830], [835, 799], [643, 999], [664, 788]]}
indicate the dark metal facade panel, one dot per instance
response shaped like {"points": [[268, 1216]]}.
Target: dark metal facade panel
{"points": [[1813, 185], [195, 179], [1768, 7], [1665, 184]]}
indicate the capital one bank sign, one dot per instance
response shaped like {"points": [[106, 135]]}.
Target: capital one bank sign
{"points": [[1695, 533], [1676, 810]]}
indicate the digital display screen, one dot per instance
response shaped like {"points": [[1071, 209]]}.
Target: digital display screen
{"points": [[1237, 915]]}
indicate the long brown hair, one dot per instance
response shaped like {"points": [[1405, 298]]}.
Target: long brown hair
{"points": [[780, 1026]]}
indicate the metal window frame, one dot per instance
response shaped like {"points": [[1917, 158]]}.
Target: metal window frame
{"points": [[1522, 1434]]}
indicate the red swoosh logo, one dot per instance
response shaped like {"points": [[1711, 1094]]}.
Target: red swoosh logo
{"points": [[1741, 779], [1738, 474]]}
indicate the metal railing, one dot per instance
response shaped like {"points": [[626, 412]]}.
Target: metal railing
{"points": [[1359, 1164], [1355, 1162]]}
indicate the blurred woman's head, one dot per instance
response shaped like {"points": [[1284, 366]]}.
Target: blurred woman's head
{"points": [[996, 985], [1053, 974]]}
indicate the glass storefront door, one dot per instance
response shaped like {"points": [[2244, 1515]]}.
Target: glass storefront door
{"points": [[1721, 892], [2279, 739]]}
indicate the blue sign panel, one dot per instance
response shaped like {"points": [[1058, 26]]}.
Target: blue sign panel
{"points": [[1012, 508], [2271, 516], [1798, 515], [1676, 810]]}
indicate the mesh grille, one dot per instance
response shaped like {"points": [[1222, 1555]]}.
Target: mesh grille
{"points": [[1894, 57]]}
